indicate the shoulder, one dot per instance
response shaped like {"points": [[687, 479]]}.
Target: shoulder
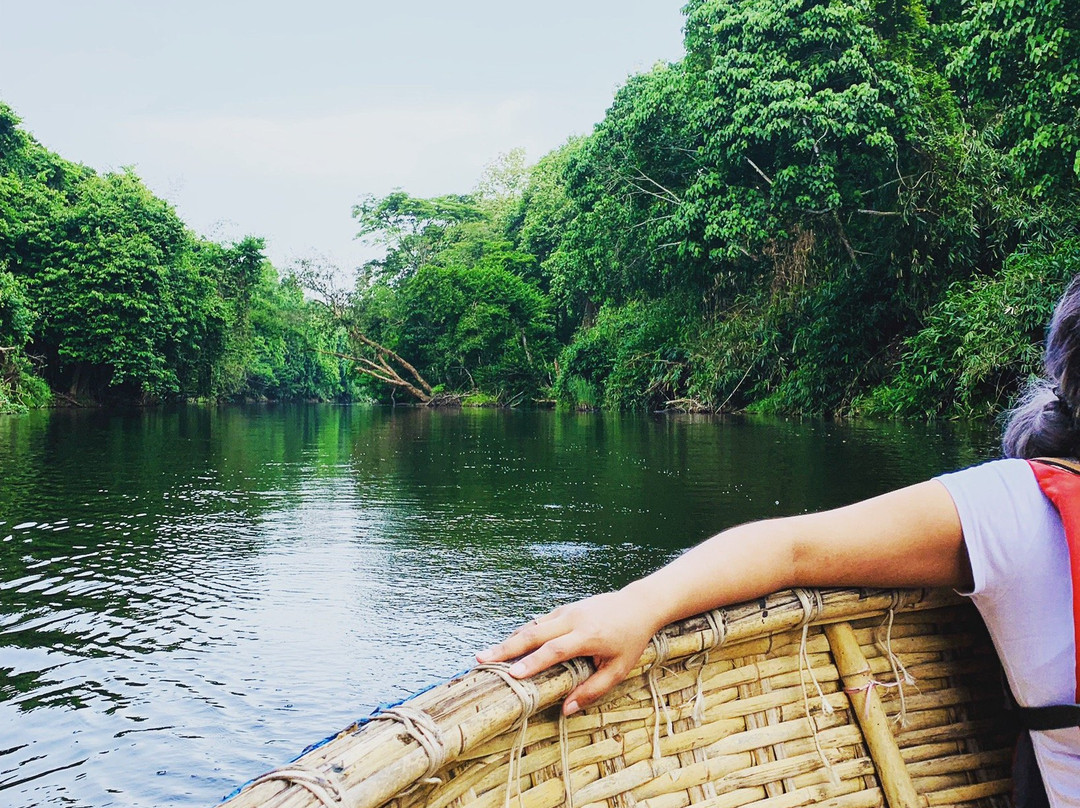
{"points": [[1008, 523], [996, 484], [1000, 495]]}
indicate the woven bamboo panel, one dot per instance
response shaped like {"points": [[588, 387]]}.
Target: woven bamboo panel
{"points": [[841, 698]]}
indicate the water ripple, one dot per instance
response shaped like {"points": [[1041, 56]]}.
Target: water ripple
{"points": [[190, 597]]}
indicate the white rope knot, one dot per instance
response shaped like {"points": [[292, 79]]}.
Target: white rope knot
{"points": [[897, 600], [812, 605], [422, 729], [717, 623], [868, 688], [662, 650], [698, 661], [901, 676], [717, 620], [579, 668], [525, 689], [660, 645], [529, 696], [325, 787]]}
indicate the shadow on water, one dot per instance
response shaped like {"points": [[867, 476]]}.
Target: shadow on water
{"points": [[189, 596]]}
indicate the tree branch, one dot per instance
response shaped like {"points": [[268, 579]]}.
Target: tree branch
{"points": [[843, 238], [382, 349], [383, 372], [671, 195], [764, 176]]}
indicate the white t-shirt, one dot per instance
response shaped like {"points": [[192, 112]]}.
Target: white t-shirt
{"points": [[1023, 589]]}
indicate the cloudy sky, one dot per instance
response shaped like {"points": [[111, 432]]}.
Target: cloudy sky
{"points": [[272, 118]]}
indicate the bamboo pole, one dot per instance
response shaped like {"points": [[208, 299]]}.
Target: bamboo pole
{"points": [[866, 705]]}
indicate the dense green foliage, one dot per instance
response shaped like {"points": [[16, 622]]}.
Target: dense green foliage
{"points": [[827, 206], [104, 293]]}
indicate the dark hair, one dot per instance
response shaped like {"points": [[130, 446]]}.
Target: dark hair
{"points": [[1045, 421]]}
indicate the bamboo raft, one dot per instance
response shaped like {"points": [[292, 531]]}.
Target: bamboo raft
{"points": [[842, 698]]}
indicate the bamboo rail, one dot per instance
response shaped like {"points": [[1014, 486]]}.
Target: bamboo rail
{"points": [[791, 700]]}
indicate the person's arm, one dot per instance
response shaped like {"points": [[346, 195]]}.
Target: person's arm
{"points": [[910, 537]]}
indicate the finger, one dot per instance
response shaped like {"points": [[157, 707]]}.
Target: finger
{"points": [[527, 638], [525, 627], [536, 621], [550, 653], [593, 689]]}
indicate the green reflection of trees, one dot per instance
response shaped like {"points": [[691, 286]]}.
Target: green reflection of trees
{"points": [[570, 477]]}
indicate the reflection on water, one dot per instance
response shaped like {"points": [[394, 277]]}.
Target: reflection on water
{"points": [[190, 597]]}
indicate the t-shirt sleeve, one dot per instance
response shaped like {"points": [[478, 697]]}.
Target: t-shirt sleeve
{"points": [[1023, 589], [1001, 511]]}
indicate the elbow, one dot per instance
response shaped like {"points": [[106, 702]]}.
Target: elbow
{"points": [[789, 553], [795, 552], [811, 556]]}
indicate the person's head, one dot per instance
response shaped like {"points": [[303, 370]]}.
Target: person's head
{"points": [[1046, 421]]}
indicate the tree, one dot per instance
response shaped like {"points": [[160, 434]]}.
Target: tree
{"points": [[480, 327], [1021, 63], [412, 230]]}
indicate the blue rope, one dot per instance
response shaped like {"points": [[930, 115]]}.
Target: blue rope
{"points": [[367, 719]]}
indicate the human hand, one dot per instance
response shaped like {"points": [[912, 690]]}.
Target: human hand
{"points": [[613, 629]]}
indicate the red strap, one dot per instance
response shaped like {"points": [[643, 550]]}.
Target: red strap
{"points": [[1062, 487]]}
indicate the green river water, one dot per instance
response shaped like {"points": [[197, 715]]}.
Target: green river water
{"points": [[190, 596]]}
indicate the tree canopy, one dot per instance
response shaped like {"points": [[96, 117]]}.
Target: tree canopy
{"points": [[826, 206], [106, 294]]}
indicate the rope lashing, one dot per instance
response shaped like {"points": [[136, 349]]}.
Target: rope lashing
{"points": [[901, 676], [717, 622], [662, 650], [579, 668], [868, 688], [897, 600], [529, 696], [812, 605], [810, 600], [325, 787], [525, 689], [422, 729]]}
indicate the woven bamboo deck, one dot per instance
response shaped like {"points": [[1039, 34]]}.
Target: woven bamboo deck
{"points": [[842, 698]]}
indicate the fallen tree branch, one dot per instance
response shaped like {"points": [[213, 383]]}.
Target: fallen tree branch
{"points": [[844, 240], [385, 373], [382, 350], [867, 212], [685, 405]]}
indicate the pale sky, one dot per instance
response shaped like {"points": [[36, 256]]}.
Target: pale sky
{"points": [[272, 118]]}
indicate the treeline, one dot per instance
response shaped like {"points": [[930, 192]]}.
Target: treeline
{"points": [[106, 295], [827, 206]]}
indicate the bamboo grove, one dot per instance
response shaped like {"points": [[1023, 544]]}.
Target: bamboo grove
{"points": [[826, 207]]}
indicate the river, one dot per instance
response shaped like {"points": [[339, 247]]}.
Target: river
{"points": [[190, 596]]}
